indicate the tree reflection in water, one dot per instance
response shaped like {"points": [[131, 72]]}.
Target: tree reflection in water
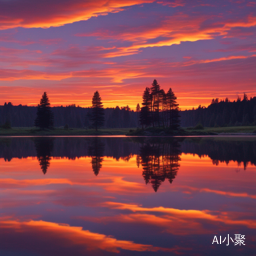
{"points": [[159, 161], [158, 157], [96, 152], [44, 147]]}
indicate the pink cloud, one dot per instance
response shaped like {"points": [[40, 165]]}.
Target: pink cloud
{"points": [[9, 37], [251, 4]]}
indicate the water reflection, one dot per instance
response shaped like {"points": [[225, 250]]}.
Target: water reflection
{"points": [[159, 161], [44, 147], [240, 150], [159, 157], [96, 152], [93, 199]]}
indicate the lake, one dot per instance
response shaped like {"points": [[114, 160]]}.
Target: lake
{"points": [[73, 196]]}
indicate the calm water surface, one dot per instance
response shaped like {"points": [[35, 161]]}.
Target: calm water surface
{"points": [[127, 196]]}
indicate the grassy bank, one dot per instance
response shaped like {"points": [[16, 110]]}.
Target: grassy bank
{"points": [[233, 129], [151, 131], [159, 131], [26, 131]]}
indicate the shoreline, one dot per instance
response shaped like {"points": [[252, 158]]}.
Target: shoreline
{"points": [[131, 132]]}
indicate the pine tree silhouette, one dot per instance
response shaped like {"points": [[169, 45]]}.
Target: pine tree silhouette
{"points": [[44, 117], [155, 96], [97, 115], [145, 117], [173, 109]]}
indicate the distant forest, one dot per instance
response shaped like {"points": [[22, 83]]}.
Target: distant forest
{"points": [[222, 113], [73, 116], [218, 113]]}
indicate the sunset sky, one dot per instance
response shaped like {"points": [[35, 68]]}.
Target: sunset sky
{"points": [[202, 49]]}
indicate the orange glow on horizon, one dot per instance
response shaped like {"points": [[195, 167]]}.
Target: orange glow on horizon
{"points": [[109, 102]]}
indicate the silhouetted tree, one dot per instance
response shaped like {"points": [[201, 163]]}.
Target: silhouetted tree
{"points": [[155, 103], [44, 116], [163, 108], [138, 113], [145, 117], [173, 110], [245, 97], [97, 115], [159, 108], [44, 147], [138, 108]]}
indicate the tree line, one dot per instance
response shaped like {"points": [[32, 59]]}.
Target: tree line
{"points": [[221, 113], [159, 109], [45, 118], [71, 116]]}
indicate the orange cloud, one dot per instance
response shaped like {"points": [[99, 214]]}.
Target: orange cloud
{"points": [[193, 62], [117, 75], [170, 224], [137, 208], [179, 28], [184, 214], [64, 236], [218, 192], [15, 74], [54, 13]]}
